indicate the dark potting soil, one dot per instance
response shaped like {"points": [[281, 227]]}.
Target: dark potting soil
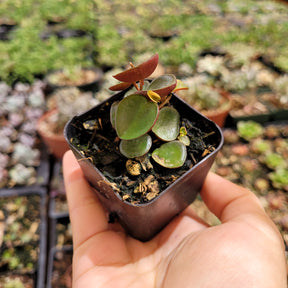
{"points": [[100, 144]]}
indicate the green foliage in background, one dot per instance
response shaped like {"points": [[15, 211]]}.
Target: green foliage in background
{"points": [[118, 31]]}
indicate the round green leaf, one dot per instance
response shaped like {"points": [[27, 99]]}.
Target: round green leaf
{"points": [[168, 124], [136, 147], [171, 154], [135, 116], [113, 110], [184, 139]]}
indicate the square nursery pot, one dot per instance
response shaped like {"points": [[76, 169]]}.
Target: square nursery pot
{"points": [[142, 220], [60, 232]]}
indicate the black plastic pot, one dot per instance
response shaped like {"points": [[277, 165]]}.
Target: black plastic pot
{"points": [[59, 232], [143, 221], [280, 115], [43, 171], [58, 206], [5, 30], [64, 34], [59, 272], [58, 210]]}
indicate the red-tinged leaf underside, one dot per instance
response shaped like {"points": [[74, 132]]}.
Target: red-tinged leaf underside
{"points": [[120, 86], [139, 72], [162, 85]]}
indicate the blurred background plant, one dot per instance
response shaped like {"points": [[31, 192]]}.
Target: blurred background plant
{"points": [[68, 102], [49, 35]]}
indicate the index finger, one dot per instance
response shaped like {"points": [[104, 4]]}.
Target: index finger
{"points": [[86, 212]]}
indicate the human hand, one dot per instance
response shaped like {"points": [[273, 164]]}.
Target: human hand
{"points": [[246, 250]]}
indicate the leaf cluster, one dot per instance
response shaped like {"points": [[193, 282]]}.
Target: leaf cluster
{"points": [[144, 110]]}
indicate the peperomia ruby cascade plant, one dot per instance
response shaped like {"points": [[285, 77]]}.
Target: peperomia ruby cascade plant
{"points": [[144, 110]]}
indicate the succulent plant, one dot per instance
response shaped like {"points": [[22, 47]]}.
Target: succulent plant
{"points": [[26, 139], [29, 127], [72, 76], [280, 87], [203, 96], [8, 131], [260, 146], [14, 103], [16, 119], [14, 283], [4, 91], [70, 101], [143, 111], [241, 54], [21, 175], [249, 129], [21, 88], [4, 160], [22, 106], [32, 114], [275, 161], [36, 98], [6, 146], [238, 80], [25, 155], [279, 178], [212, 65]]}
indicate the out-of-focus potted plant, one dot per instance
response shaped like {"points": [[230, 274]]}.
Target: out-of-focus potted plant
{"points": [[66, 102], [249, 130], [212, 102], [279, 178], [144, 150], [86, 79]]}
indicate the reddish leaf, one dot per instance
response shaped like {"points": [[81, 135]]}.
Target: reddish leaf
{"points": [[165, 91], [162, 85], [139, 72], [120, 86]]}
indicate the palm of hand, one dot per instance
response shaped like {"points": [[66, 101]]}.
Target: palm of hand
{"points": [[187, 253]]}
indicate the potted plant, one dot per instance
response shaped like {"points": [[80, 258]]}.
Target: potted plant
{"points": [[249, 130], [213, 102], [279, 178], [144, 150], [86, 79], [66, 102]]}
